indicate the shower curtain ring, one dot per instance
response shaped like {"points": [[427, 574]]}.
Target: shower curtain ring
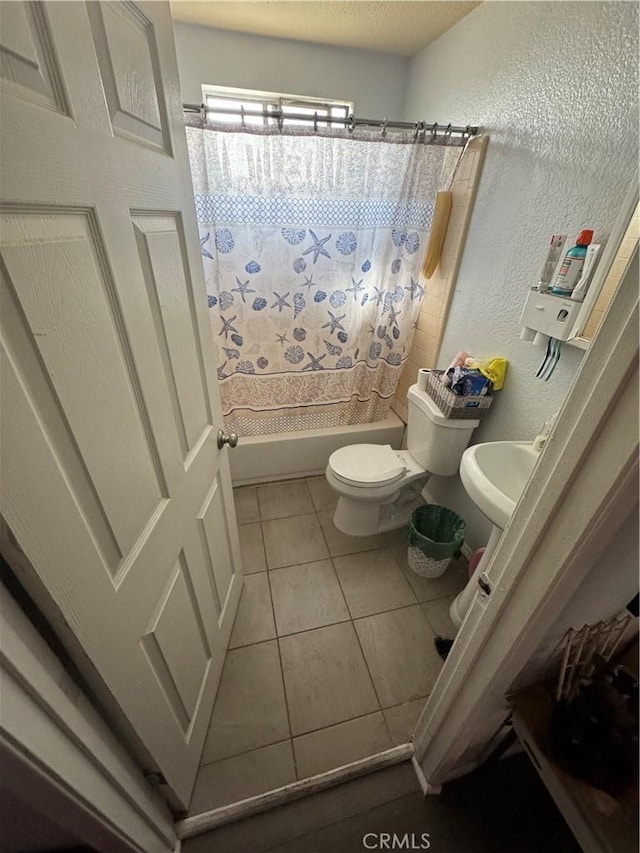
{"points": [[315, 121], [242, 115], [384, 127], [434, 131], [203, 112], [419, 127], [447, 132], [352, 122]]}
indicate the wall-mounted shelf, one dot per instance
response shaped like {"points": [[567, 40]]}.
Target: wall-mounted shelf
{"points": [[548, 314]]}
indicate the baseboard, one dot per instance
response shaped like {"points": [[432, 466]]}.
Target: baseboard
{"points": [[196, 825], [425, 786]]}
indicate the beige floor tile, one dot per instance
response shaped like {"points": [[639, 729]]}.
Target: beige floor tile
{"points": [[254, 620], [450, 583], [338, 745], [306, 597], [323, 496], [282, 500], [292, 541], [372, 582], [246, 500], [326, 678], [397, 539], [242, 776], [252, 548], [437, 613], [402, 719], [399, 650], [339, 543], [250, 709]]}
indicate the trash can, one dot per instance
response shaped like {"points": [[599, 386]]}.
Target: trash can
{"points": [[435, 535]]}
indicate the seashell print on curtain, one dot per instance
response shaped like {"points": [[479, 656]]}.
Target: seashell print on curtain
{"points": [[312, 246]]}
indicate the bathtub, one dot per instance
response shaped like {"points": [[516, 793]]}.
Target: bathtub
{"points": [[258, 459]]}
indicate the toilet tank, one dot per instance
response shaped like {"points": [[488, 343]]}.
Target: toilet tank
{"points": [[435, 442]]}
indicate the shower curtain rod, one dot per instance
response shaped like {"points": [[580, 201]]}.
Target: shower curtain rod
{"points": [[349, 122]]}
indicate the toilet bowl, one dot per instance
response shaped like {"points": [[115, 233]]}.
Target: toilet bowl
{"points": [[378, 486]]}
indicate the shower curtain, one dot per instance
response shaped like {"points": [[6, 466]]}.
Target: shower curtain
{"points": [[312, 244]]}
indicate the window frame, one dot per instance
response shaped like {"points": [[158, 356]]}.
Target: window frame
{"points": [[271, 102]]}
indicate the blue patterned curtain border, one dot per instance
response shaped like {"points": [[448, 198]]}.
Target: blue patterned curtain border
{"points": [[338, 213]]}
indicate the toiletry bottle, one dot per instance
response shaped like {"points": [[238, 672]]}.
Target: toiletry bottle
{"points": [[554, 254], [570, 270]]}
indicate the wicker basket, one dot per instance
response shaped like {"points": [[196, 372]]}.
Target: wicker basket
{"points": [[425, 566], [453, 405]]}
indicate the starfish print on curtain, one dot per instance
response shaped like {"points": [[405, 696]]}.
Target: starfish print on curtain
{"points": [[318, 247]]}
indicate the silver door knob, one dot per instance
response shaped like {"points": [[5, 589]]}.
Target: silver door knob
{"points": [[223, 438]]}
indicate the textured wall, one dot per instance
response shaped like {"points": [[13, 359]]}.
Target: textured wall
{"points": [[375, 81], [555, 85]]}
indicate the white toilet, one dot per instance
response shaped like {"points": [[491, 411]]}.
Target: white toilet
{"points": [[378, 487]]}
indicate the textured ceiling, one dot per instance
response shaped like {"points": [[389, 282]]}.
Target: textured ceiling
{"points": [[403, 27]]}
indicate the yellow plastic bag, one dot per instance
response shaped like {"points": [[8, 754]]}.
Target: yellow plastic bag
{"points": [[495, 370]]}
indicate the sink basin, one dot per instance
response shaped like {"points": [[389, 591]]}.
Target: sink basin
{"points": [[494, 475]]}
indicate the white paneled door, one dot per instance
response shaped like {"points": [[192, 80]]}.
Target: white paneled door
{"points": [[112, 481]]}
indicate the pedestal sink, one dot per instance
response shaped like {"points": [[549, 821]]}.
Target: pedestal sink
{"points": [[494, 475]]}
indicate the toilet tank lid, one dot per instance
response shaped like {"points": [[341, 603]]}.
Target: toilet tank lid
{"points": [[424, 402]]}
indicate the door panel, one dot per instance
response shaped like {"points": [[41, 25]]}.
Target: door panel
{"points": [[113, 484], [27, 60], [184, 662], [53, 269], [165, 270], [125, 45]]}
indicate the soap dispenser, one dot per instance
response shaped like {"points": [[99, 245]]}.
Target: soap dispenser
{"points": [[541, 439]]}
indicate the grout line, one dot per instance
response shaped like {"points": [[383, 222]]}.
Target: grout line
{"points": [[339, 723], [264, 548], [364, 657], [316, 628], [258, 503], [320, 729], [247, 751], [295, 514], [284, 683], [391, 610], [339, 621]]}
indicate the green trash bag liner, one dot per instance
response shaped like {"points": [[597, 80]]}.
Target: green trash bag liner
{"points": [[437, 531]]}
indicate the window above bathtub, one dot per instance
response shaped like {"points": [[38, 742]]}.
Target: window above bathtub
{"points": [[262, 108]]}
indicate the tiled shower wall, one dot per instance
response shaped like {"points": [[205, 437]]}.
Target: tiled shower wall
{"points": [[615, 274], [439, 288]]}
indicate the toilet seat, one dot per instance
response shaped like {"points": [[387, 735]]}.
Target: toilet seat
{"points": [[367, 465]]}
